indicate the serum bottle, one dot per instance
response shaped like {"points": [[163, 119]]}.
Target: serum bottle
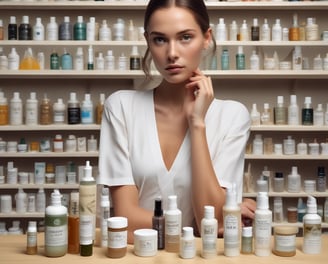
{"points": [[307, 112], [240, 59], [280, 112], [209, 231], [158, 223]]}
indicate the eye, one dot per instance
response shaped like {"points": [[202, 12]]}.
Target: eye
{"points": [[186, 37], [159, 40]]}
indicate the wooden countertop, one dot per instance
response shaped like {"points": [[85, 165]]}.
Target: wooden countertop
{"points": [[13, 251]]}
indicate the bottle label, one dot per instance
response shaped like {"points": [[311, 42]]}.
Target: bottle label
{"points": [[172, 225], [86, 227], [285, 243], [117, 239], [231, 230], [31, 239], [74, 115], [56, 230], [312, 238]]}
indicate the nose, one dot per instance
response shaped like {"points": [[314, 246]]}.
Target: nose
{"points": [[172, 51]]}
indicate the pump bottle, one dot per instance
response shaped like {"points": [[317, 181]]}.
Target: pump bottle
{"points": [[87, 210], [231, 223], [172, 225], [55, 242], [311, 228], [209, 231], [262, 223], [158, 223], [73, 110]]}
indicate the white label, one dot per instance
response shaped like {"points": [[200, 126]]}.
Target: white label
{"points": [[56, 235], [285, 243], [86, 227], [173, 225], [117, 239]]}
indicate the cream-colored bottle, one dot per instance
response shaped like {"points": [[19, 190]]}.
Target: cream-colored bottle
{"points": [[209, 233], [172, 225]]}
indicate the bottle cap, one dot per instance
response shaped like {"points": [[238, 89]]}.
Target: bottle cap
{"points": [[247, 231], [172, 202], [279, 175], [208, 212], [311, 205], [294, 170], [66, 19], [321, 171], [56, 197], [280, 99], [135, 51], [33, 95], [158, 211], [25, 20], [188, 232], [12, 20], [262, 201], [293, 99], [52, 19], [80, 19], [87, 175], [104, 200], [307, 100]]}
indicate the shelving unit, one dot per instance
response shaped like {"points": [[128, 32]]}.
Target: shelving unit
{"points": [[246, 86]]}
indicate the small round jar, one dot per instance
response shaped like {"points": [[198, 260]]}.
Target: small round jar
{"points": [[285, 241], [117, 237], [145, 242]]}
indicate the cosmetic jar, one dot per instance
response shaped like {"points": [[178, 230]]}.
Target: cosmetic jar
{"points": [[117, 236], [291, 214], [309, 186], [145, 242], [285, 241]]}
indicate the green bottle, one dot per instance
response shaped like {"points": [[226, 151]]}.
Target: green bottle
{"points": [[80, 29], [54, 61]]}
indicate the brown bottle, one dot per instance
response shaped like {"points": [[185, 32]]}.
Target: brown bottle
{"points": [[45, 111], [100, 108]]}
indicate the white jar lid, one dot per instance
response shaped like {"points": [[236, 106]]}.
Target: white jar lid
{"points": [[117, 222]]}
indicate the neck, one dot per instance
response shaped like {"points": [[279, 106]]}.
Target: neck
{"points": [[170, 94]]}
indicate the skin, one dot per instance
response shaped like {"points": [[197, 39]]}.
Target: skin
{"points": [[176, 43]]}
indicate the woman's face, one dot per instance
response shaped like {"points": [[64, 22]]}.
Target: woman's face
{"points": [[176, 43]]}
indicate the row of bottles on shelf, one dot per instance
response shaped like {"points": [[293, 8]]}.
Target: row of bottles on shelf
{"points": [[79, 30], [32, 112], [57, 144], [290, 114], [67, 61], [265, 146], [43, 173], [278, 183]]}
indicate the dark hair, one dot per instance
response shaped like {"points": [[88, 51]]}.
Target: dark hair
{"points": [[196, 7]]}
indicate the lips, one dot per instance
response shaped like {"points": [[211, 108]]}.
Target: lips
{"points": [[174, 68]]}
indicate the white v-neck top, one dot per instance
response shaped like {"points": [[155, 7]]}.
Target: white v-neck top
{"points": [[130, 154]]}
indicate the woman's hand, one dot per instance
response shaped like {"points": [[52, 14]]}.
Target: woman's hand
{"points": [[199, 97], [248, 207]]}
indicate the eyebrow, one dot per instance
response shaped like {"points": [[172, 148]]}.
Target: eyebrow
{"points": [[179, 33]]}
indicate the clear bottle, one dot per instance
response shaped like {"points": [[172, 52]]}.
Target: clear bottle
{"points": [[59, 112], [318, 63], [87, 210], [158, 223], [325, 62], [16, 110], [46, 111], [52, 29], [55, 241], [247, 240], [172, 225], [100, 62], [221, 30], [132, 33], [109, 61], [73, 110], [119, 30], [41, 201], [79, 59], [307, 112], [4, 110], [12, 28], [311, 228], [243, 31], [231, 223], [277, 31], [297, 61], [278, 182], [29, 62], [262, 225], [87, 110], [209, 231], [278, 214], [257, 145], [318, 116], [32, 239], [255, 115], [280, 112], [294, 181], [25, 29], [266, 116], [105, 33], [73, 224], [100, 108], [254, 61], [65, 30], [32, 110], [122, 63], [233, 31], [294, 30], [293, 111], [265, 34], [38, 30], [187, 243]]}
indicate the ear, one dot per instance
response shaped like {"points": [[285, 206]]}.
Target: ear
{"points": [[207, 38]]}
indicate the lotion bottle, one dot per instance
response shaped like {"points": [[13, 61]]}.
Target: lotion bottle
{"points": [[55, 242], [231, 223], [262, 223], [172, 225], [187, 243], [311, 228], [31, 110], [209, 232], [16, 110], [32, 238], [88, 198], [38, 30]]}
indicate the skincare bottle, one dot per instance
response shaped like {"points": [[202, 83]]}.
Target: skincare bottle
{"points": [[266, 116], [307, 112], [100, 62], [318, 63], [294, 181], [277, 31], [119, 30], [135, 60], [158, 223], [233, 31], [4, 110], [65, 29], [280, 112], [66, 61], [311, 29], [311, 228], [297, 60], [187, 243], [100, 108], [55, 241], [132, 32], [254, 61], [255, 30], [262, 225], [243, 31], [87, 110], [31, 110], [80, 29], [73, 110], [278, 182], [293, 111], [172, 225], [221, 30], [79, 59], [278, 215], [3, 60], [105, 33], [38, 30], [302, 148], [325, 211], [325, 62], [289, 146], [265, 31], [52, 29], [41, 201], [247, 240], [12, 28], [258, 145], [25, 29], [73, 224], [16, 110], [104, 214], [294, 30], [122, 63], [59, 112], [240, 59], [231, 223], [318, 116], [88, 198], [90, 58], [321, 179], [209, 232], [109, 61], [45, 111], [13, 59], [29, 62], [54, 61], [225, 60], [91, 29], [255, 115], [32, 239]]}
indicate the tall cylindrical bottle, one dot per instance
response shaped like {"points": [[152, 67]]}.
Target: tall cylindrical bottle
{"points": [[45, 111], [73, 110], [311, 228], [172, 225], [16, 110], [32, 239], [73, 224], [4, 110], [31, 110], [87, 210], [59, 112], [104, 214], [262, 223], [231, 223], [158, 223], [209, 233], [55, 242]]}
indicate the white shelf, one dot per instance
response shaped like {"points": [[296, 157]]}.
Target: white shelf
{"points": [[51, 186], [53, 127], [298, 224], [285, 157], [287, 194], [299, 128], [22, 215], [93, 154]]}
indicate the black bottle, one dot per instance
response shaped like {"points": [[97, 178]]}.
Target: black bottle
{"points": [[25, 29], [12, 28]]}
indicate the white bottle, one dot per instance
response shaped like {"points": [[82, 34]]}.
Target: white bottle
{"points": [[318, 116], [21, 201], [13, 60], [52, 29], [187, 243], [325, 211], [294, 181], [105, 214], [317, 63], [31, 110], [262, 225], [233, 31], [231, 223], [41, 201], [311, 228], [132, 33], [38, 30], [243, 31], [172, 225], [122, 63], [100, 62], [105, 33], [87, 110], [255, 115], [3, 60], [59, 112], [221, 30], [209, 232], [91, 29], [265, 34], [16, 110], [56, 233], [258, 145], [277, 31], [254, 61], [297, 60], [293, 111], [109, 61], [88, 198], [79, 59], [119, 30]]}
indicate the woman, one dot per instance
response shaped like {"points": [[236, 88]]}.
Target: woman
{"points": [[176, 138]]}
